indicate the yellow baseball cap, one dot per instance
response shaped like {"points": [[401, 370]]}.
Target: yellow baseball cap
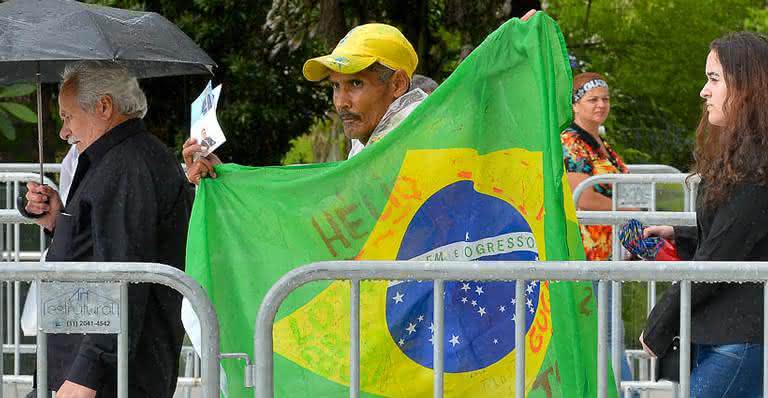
{"points": [[360, 48]]}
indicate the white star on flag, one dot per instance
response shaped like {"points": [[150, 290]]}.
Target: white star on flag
{"points": [[464, 300], [432, 327], [479, 290], [495, 341], [465, 287], [411, 328], [533, 283], [529, 289], [474, 303], [529, 302], [398, 297], [502, 308], [421, 318], [481, 311], [401, 342], [514, 301], [454, 340], [514, 317]]}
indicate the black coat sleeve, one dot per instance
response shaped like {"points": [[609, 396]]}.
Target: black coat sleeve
{"points": [[737, 225], [123, 217], [686, 240]]}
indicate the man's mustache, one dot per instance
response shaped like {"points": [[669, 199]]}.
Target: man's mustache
{"points": [[349, 115]]}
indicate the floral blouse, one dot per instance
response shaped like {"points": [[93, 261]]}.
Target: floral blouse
{"points": [[581, 153]]}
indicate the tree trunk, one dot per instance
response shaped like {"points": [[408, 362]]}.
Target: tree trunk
{"points": [[331, 26]]}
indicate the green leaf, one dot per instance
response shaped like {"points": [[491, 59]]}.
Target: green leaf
{"points": [[6, 127], [17, 90], [20, 111]]}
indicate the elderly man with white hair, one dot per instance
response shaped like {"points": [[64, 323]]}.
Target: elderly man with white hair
{"points": [[129, 201]]}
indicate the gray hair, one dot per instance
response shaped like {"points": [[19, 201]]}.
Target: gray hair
{"points": [[95, 79], [384, 72], [425, 83]]}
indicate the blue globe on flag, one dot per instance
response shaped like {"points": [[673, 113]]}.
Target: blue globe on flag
{"points": [[459, 223]]}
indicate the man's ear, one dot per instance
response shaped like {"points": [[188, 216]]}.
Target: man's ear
{"points": [[400, 83], [105, 107]]}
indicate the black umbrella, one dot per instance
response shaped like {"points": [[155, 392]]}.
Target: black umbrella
{"points": [[39, 37]]}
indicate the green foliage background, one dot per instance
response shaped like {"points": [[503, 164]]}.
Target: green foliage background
{"points": [[653, 54]]}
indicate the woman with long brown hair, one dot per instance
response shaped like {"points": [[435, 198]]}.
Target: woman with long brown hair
{"points": [[732, 225]]}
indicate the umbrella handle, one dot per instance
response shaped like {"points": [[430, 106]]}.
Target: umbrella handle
{"points": [[21, 205]]}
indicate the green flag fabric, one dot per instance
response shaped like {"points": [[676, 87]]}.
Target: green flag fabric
{"points": [[474, 173]]}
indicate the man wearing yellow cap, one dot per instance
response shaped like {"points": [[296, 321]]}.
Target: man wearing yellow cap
{"points": [[370, 72]]}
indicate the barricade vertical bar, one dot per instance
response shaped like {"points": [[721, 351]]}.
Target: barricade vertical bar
{"points": [[354, 339], [650, 302], [122, 344], [14, 232], [189, 358], [8, 237], [197, 365], [602, 346], [9, 311], [642, 372], [651, 299], [616, 332], [520, 338], [685, 339], [616, 299], [16, 327], [765, 340], [16, 292], [694, 194], [2, 361], [42, 347], [439, 337], [42, 243]]}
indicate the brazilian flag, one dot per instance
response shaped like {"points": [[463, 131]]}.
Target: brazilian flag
{"points": [[474, 173]]}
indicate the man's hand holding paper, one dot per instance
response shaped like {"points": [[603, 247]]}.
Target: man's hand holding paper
{"points": [[205, 136]]}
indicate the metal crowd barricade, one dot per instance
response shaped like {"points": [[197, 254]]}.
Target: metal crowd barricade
{"points": [[617, 218], [688, 182], [14, 249], [639, 191], [123, 273], [355, 271]]}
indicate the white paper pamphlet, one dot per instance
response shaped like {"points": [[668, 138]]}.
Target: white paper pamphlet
{"points": [[204, 126]]}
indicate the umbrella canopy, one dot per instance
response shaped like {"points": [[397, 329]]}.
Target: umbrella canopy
{"points": [[39, 37], [45, 35]]}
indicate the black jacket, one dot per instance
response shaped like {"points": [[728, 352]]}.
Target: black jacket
{"points": [[721, 313], [129, 201]]}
